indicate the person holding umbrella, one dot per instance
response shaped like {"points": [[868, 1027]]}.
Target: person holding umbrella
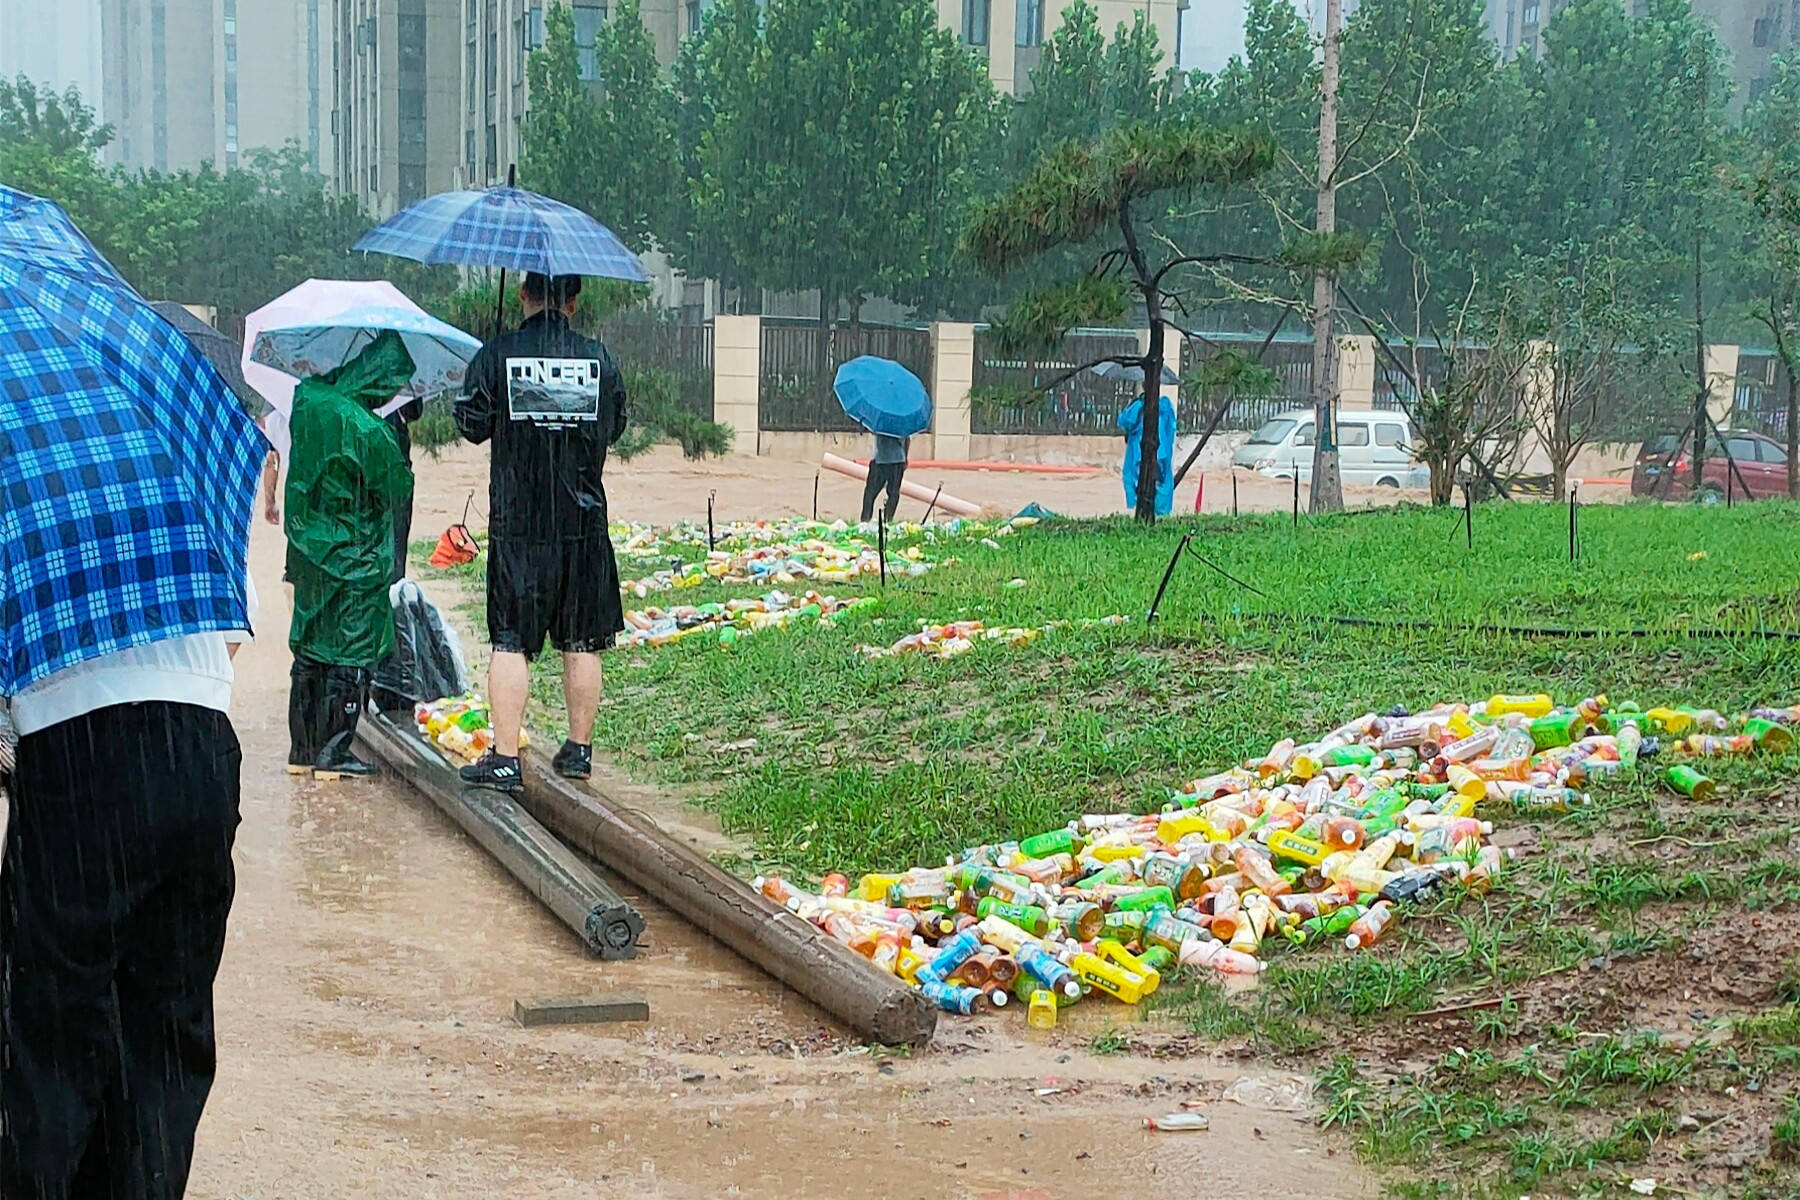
{"points": [[128, 468], [890, 402], [347, 478], [551, 402]]}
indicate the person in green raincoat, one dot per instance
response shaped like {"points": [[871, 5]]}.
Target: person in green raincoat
{"points": [[347, 477]]}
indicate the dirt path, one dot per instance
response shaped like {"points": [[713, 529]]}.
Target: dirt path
{"points": [[367, 1047]]}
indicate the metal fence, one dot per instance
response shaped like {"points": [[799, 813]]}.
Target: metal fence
{"points": [[683, 350], [800, 359], [1759, 402], [1030, 396], [1289, 357]]}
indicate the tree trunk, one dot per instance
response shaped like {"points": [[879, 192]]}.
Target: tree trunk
{"points": [[1327, 487], [1150, 438], [827, 310], [1703, 388]]}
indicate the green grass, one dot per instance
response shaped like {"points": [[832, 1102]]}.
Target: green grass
{"points": [[1540, 1077]]}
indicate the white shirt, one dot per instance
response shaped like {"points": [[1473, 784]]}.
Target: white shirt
{"points": [[195, 669]]}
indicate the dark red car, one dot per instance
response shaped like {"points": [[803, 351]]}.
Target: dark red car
{"points": [[1667, 473]]}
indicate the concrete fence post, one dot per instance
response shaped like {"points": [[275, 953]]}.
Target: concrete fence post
{"points": [[1721, 382], [952, 376], [737, 375], [1356, 371]]}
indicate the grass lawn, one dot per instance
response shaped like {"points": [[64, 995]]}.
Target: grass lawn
{"points": [[1621, 1007]]}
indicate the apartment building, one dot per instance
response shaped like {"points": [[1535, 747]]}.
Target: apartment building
{"points": [[54, 45], [192, 81], [396, 82], [1752, 33], [499, 35]]}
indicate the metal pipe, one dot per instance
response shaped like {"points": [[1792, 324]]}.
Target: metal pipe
{"points": [[549, 870], [872, 1003]]}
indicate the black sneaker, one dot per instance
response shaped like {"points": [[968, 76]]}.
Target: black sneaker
{"points": [[337, 762], [496, 772], [574, 761]]}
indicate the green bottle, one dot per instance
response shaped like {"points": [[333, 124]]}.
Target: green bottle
{"points": [[1125, 926], [1333, 923], [1029, 917], [1691, 783], [1349, 756], [1043, 845], [1118, 872], [1557, 729], [1158, 958], [1145, 899]]}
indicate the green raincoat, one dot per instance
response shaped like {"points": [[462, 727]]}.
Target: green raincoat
{"points": [[346, 476]]}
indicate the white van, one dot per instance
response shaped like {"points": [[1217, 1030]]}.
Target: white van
{"points": [[1373, 448]]}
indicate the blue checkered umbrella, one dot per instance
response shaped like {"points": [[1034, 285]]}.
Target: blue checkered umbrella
{"points": [[505, 227], [127, 467]]}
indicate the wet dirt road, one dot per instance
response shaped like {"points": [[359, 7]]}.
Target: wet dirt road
{"points": [[368, 1049]]}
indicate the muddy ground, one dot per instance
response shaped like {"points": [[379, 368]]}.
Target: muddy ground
{"points": [[367, 1046]]}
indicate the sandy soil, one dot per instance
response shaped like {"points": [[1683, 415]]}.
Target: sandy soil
{"points": [[367, 1047]]}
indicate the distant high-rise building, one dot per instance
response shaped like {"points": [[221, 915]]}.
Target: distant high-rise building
{"points": [[1752, 32], [192, 81], [52, 44], [397, 77]]}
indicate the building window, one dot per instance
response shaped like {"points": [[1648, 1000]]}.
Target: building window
{"points": [[1029, 27], [1528, 14], [977, 16], [696, 15], [493, 150], [412, 184], [1762, 32], [469, 152], [469, 74], [588, 20], [534, 29]]}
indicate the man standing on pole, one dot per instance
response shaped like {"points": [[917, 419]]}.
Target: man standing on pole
{"points": [[552, 402]]}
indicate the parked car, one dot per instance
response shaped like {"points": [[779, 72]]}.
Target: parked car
{"points": [[1667, 472], [1374, 447]]}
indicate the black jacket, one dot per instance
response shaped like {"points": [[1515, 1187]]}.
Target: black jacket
{"points": [[552, 401]]}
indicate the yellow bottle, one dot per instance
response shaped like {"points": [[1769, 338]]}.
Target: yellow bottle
{"points": [[1458, 804], [1040, 1011], [1669, 720], [1103, 976], [1295, 848], [1530, 706], [1469, 786], [875, 887], [907, 964], [1116, 953], [1172, 829], [1459, 723], [1107, 854]]}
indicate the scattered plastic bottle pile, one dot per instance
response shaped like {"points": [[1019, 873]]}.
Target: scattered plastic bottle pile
{"points": [[959, 637], [730, 620], [1327, 840], [785, 552], [459, 725]]}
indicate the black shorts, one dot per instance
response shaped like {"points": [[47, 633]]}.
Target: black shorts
{"points": [[568, 591]]}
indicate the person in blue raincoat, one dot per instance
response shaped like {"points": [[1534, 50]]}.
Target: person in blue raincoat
{"points": [[1132, 422]]}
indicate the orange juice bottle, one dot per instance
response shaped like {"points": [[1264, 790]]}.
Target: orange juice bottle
{"points": [[1260, 872], [1370, 926], [1226, 913]]}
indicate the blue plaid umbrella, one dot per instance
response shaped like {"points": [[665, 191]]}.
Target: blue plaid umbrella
{"points": [[504, 227], [126, 465]]}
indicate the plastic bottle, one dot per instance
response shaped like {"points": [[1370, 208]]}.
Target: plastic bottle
{"points": [[1225, 915], [952, 998], [1530, 706], [1691, 783], [919, 894], [1079, 919], [1117, 954], [1671, 721], [1144, 899], [1049, 971], [1108, 977], [1185, 1122], [1769, 736], [1043, 845], [1348, 756], [1332, 924], [1476, 745], [1344, 833], [1218, 956], [1370, 926], [951, 955], [1040, 1012], [1177, 872], [1557, 729], [1028, 917], [1260, 872], [1295, 848], [1467, 783], [1168, 930]]}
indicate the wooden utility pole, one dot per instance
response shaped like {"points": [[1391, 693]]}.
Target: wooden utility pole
{"points": [[1327, 486]]}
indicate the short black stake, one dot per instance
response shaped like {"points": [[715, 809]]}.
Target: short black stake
{"points": [[1169, 574], [1573, 492], [881, 544], [1234, 504], [932, 505], [1296, 499], [816, 475], [1468, 516], [711, 542]]}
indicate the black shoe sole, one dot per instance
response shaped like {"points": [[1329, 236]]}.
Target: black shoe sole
{"points": [[576, 772], [505, 789]]}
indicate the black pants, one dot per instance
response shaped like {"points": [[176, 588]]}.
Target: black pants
{"points": [[402, 535], [325, 703], [114, 890], [883, 475]]}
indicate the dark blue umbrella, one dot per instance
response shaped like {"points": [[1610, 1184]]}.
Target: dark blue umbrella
{"points": [[127, 466], [504, 227], [883, 397]]}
